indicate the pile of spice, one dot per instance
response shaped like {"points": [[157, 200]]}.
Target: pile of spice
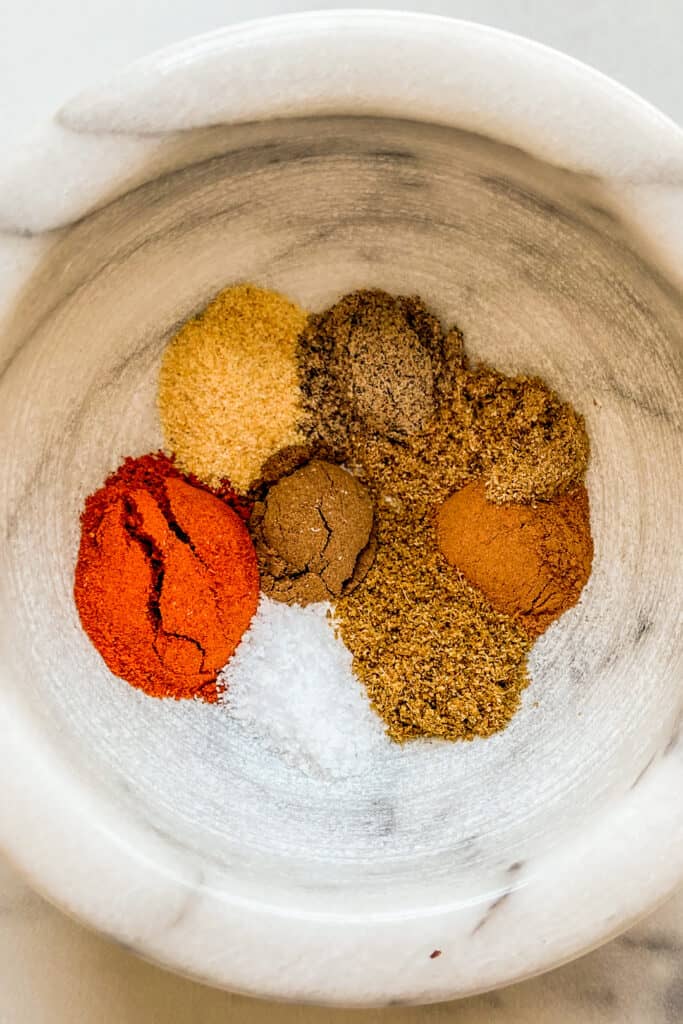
{"points": [[531, 562], [443, 652], [166, 579], [228, 388], [349, 464], [291, 686], [314, 534], [372, 366]]}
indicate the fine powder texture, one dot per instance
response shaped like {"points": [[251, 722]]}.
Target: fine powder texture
{"points": [[291, 686], [436, 659], [228, 388], [373, 363], [531, 562], [313, 533], [166, 580]]}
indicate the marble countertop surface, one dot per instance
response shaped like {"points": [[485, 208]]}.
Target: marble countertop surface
{"points": [[52, 970]]}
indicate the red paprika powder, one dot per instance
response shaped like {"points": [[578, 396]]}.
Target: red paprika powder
{"points": [[166, 581]]}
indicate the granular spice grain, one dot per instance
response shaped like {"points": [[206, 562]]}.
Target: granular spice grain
{"points": [[291, 686], [436, 659], [228, 388]]}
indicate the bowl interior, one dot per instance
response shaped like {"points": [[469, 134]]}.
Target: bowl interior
{"points": [[531, 262]]}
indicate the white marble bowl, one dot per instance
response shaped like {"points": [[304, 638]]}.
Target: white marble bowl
{"points": [[540, 206]]}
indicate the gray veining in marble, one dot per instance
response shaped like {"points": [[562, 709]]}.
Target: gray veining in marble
{"points": [[543, 271], [636, 979], [385, 177]]}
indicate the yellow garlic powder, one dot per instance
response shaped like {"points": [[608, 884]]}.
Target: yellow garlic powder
{"points": [[228, 388]]}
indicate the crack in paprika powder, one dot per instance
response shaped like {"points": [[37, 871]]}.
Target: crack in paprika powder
{"points": [[166, 581]]}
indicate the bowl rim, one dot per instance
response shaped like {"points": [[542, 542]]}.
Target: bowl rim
{"points": [[165, 909]]}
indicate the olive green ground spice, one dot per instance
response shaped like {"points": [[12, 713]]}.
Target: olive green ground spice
{"points": [[435, 657], [532, 446], [228, 388], [514, 432]]}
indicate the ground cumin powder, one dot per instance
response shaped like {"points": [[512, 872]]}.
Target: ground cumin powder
{"points": [[514, 432], [435, 657], [531, 445]]}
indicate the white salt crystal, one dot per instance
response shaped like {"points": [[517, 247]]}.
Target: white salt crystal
{"points": [[290, 685]]}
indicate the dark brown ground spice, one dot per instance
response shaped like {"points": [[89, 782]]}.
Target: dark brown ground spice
{"points": [[313, 532]]}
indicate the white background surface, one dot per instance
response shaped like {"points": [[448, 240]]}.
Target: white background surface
{"points": [[53, 971], [49, 49]]}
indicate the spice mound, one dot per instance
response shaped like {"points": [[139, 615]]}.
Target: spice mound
{"points": [[320, 722], [371, 363], [228, 388], [531, 561], [438, 654], [436, 658], [313, 533], [166, 580], [532, 446]]}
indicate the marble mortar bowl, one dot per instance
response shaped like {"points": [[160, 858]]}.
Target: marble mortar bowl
{"points": [[539, 206]]}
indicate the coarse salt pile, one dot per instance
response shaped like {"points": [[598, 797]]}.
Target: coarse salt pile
{"points": [[291, 686]]}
